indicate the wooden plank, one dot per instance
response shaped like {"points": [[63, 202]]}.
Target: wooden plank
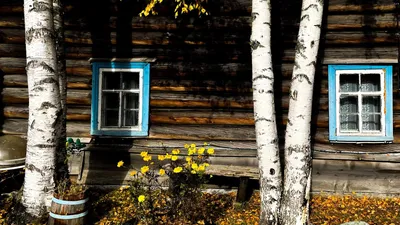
{"points": [[158, 23], [21, 112], [73, 82]]}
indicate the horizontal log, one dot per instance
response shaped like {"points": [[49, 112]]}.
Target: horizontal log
{"points": [[73, 82], [199, 38], [238, 7], [222, 54], [156, 23], [22, 112], [20, 95]]}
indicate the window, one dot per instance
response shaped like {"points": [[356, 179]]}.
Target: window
{"points": [[360, 103], [120, 98]]}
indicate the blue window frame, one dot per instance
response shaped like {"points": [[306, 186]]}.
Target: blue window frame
{"points": [[360, 103], [120, 98]]}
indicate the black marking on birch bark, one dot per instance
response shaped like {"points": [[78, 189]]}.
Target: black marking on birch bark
{"points": [[254, 16], [44, 146], [38, 6], [300, 116], [300, 47], [31, 167], [48, 80], [58, 119], [312, 6], [254, 44], [312, 44], [293, 95], [274, 141], [289, 122], [37, 89], [317, 25], [262, 77], [313, 63], [36, 64], [305, 17], [32, 124], [47, 105], [263, 119], [267, 23], [42, 33], [271, 171], [266, 69], [301, 77]]}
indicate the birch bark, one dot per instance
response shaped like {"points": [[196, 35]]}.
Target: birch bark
{"points": [[61, 154], [264, 112], [44, 107], [297, 171]]}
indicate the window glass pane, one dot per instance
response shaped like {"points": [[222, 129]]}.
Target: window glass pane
{"points": [[348, 104], [131, 118], [348, 82], [110, 100], [348, 122], [370, 82], [371, 122], [130, 80], [371, 104], [131, 101], [111, 80], [348, 113], [110, 118]]}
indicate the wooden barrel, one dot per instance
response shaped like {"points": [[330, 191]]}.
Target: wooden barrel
{"points": [[68, 212]]}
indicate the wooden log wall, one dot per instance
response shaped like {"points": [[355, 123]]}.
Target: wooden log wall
{"points": [[201, 81]]}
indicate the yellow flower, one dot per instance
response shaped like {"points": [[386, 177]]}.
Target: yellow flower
{"points": [[191, 7], [186, 146], [120, 163], [174, 158], [176, 151], [206, 164], [194, 166], [161, 157], [141, 198], [178, 169], [203, 10], [201, 168], [193, 171], [201, 151], [133, 173], [188, 159], [147, 158], [144, 169], [66, 144], [144, 154], [168, 156], [193, 145], [205, 143], [210, 151], [161, 172]]}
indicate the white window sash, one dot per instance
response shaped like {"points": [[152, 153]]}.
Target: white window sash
{"points": [[138, 127], [361, 94]]}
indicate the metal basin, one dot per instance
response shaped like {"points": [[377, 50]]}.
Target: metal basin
{"points": [[12, 152]]}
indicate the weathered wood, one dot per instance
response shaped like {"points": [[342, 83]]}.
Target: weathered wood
{"points": [[20, 95], [156, 23], [21, 112], [73, 82], [68, 208]]}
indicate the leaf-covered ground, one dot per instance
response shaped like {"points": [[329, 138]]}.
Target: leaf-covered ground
{"points": [[117, 207]]}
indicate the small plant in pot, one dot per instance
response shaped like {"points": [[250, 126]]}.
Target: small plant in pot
{"points": [[69, 204]]}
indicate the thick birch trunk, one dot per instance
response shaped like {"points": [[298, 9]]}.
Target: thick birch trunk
{"points": [[264, 113], [61, 154], [44, 106], [294, 209]]}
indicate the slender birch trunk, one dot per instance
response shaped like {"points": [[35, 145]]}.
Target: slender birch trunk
{"points": [[294, 209], [61, 154], [264, 113], [44, 106]]}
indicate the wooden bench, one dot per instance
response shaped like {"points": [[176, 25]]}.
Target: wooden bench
{"points": [[244, 173]]}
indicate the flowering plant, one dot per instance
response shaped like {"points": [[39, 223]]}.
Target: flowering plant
{"points": [[185, 173]]}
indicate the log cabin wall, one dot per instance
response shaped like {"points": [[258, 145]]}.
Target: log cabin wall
{"points": [[201, 81]]}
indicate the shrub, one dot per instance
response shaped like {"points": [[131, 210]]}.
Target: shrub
{"points": [[183, 176]]}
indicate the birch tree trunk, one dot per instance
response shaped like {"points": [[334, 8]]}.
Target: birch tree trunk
{"points": [[297, 171], [264, 113], [61, 154], [44, 106]]}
